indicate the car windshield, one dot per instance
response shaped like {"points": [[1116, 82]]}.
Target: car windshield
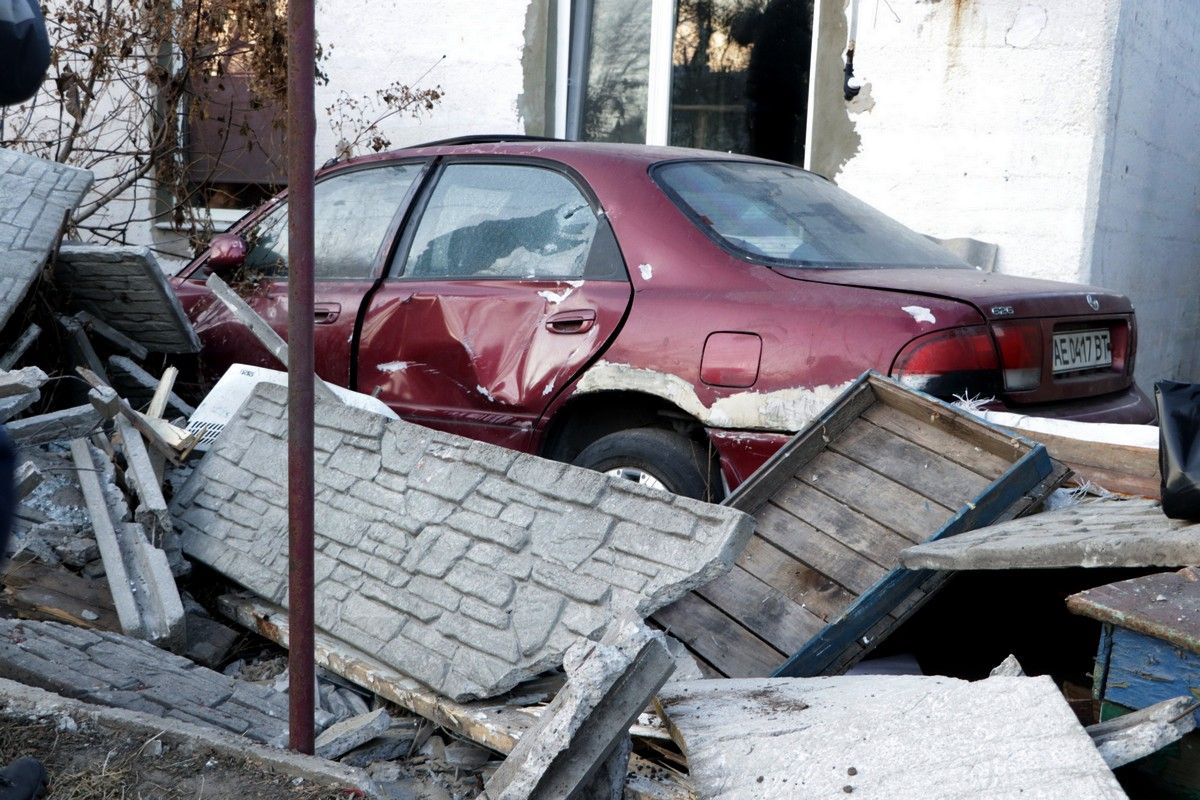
{"points": [[791, 218]]}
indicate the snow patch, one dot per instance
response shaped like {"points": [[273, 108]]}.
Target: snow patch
{"points": [[393, 366], [646, 270], [919, 313]]}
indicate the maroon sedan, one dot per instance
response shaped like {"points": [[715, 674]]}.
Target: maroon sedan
{"points": [[671, 315]]}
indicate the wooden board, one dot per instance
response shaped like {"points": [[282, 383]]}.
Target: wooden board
{"points": [[1165, 606], [34, 590], [819, 583]]}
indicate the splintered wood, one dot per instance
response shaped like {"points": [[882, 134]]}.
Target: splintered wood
{"points": [[819, 583]]}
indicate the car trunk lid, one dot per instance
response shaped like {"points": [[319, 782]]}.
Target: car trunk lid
{"points": [[1055, 340]]}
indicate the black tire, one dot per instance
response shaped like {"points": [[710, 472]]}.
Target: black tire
{"points": [[680, 464]]}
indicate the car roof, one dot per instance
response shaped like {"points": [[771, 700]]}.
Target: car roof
{"points": [[578, 154]]}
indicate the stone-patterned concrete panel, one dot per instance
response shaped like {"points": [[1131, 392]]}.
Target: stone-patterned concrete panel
{"points": [[35, 198], [465, 565], [126, 288], [114, 670]]}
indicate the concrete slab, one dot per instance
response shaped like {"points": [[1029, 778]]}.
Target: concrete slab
{"points": [[69, 423], [464, 565], [143, 589], [898, 737], [609, 683], [342, 737], [1105, 533], [126, 288], [35, 198]]}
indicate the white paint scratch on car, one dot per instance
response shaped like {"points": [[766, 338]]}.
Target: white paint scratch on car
{"points": [[784, 410], [919, 313], [393, 366], [646, 270], [483, 391]]}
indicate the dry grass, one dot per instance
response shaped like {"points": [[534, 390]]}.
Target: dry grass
{"points": [[98, 762]]}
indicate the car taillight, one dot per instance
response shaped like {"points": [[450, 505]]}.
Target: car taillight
{"points": [[1020, 346], [961, 361]]}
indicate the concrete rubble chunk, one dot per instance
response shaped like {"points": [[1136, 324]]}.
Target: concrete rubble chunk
{"points": [[407, 575], [85, 354], [21, 381], [143, 590], [1008, 668], [342, 737], [609, 683], [111, 334], [125, 288], [36, 196], [21, 346], [1140, 733], [28, 478], [901, 737], [68, 423], [1105, 533], [152, 510]]}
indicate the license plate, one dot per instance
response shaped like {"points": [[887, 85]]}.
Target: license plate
{"points": [[1079, 350]]}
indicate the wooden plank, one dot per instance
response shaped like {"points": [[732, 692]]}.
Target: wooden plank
{"points": [[1134, 736], [1163, 606], [833, 517], [781, 622], [795, 579], [894, 506], [1143, 671], [912, 466], [42, 592], [755, 491], [952, 420], [718, 638], [162, 435], [821, 552], [918, 431]]}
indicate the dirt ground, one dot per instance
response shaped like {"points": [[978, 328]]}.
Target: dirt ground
{"points": [[100, 762]]}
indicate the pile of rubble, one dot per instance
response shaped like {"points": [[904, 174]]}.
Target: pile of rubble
{"points": [[493, 624]]}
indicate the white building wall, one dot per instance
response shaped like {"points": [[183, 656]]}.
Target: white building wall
{"points": [[984, 117], [1147, 227]]}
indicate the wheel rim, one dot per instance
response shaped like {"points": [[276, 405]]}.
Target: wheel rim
{"points": [[638, 476]]}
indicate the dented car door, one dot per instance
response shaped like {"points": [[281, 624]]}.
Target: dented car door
{"points": [[507, 282]]}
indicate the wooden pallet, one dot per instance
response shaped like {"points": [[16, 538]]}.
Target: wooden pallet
{"points": [[819, 585]]}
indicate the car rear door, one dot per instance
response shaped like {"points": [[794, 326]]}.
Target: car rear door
{"points": [[507, 282], [356, 215]]}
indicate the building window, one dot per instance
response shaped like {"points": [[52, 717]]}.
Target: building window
{"points": [[729, 75]]}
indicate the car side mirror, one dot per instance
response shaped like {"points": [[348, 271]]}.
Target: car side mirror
{"points": [[227, 251]]}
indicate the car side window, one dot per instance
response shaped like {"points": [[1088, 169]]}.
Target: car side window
{"points": [[509, 221], [352, 212]]}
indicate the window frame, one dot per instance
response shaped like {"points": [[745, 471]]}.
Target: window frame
{"points": [[398, 259]]}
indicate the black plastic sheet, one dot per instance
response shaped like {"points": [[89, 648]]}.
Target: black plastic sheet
{"points": [[1179, 447]]}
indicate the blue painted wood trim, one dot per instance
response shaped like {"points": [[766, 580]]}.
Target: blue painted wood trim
{"points": [[1143, 671], [822, 650], [1103, 654]]}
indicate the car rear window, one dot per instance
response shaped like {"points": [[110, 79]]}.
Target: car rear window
{"points": [[787, 217]]}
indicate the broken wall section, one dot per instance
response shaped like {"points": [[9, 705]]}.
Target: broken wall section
{"points": [[464, 565]]}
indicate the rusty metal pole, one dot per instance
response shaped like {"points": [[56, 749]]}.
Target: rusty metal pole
{"points": [[301, 130]]}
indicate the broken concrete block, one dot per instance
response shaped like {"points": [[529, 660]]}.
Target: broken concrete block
{"points": [[69, 423], [1105, 533], [1008, 668], [85, 355], [105, 400], [468, 603], [36, 196], [126, 288], [208, 641], [143, 589], [21, 381], [609, 683], [11, 406], [395, 742], [1140, 733], [19, 348], [893, 736], [28, 478], [342, 737], [152, 506]]}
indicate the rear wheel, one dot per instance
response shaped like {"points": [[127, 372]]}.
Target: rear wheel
{"points": [[657, 458]]}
